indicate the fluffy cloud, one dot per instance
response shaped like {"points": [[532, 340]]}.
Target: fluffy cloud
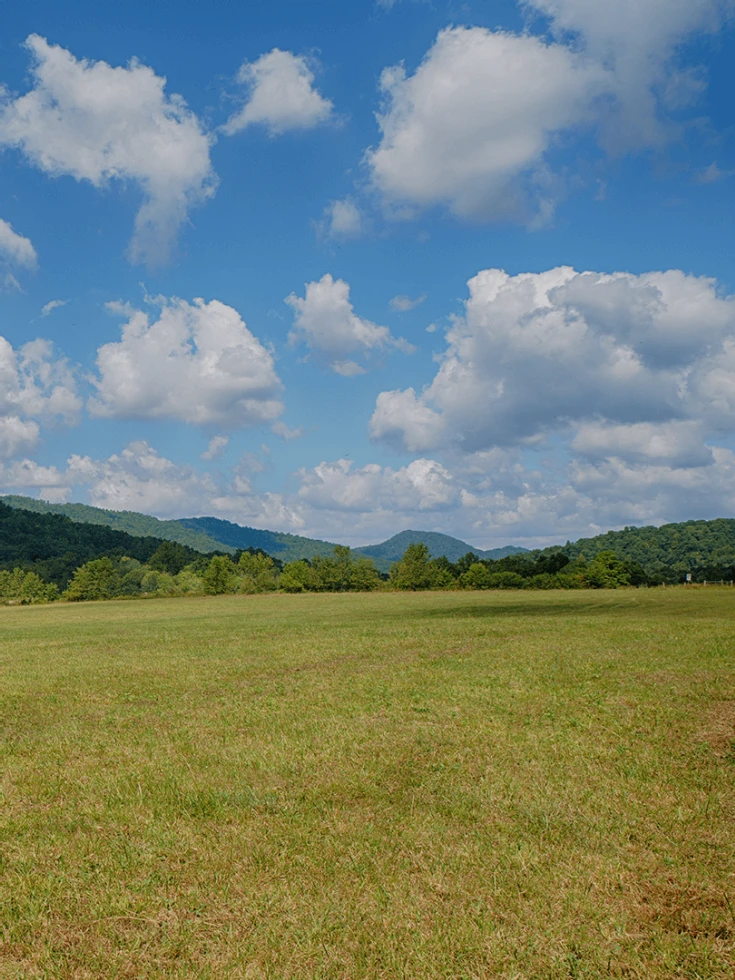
{"points": [[36, 384], [528, 507], [488, 498], [637, 40], [327, 323], [423, 485], [679, 444], [138, 478], [282, 96], [16, 249], [470, 128], [479, 112], [216, 447], [17, 436], [492, 498], [537, 353], [342, 219], [97, 123], [407, 421], [197, 363]]}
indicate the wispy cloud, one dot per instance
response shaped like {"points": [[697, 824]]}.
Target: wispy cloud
{"points": [[54, 304], [403, 304]]}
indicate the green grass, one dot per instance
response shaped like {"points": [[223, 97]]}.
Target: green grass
{"points": [[381, 786]]}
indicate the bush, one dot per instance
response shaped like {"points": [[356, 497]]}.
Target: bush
{"points": [[96, 580], [258, 572], [188, 583], [295, 577], [26, 588], [507, 580], [477, 576], [219, 576], [607, 571]]}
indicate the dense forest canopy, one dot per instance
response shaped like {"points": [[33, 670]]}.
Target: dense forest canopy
{"points": [[54, 546], [704, 548], [130, 521]]}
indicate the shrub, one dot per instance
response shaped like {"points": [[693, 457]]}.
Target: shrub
{"points": [[26, 588], [258, 572], [295, 577], [97, 579], [477, 576], [219, 576], [189, 583], [507, 580]]}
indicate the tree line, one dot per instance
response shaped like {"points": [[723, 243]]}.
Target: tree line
{"points": [[170, 571], [47, 556]]}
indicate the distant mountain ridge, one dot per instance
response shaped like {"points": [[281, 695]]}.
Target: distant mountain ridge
{"points": [[706, 548], [287, 547], [206, 534], [438, 544], [130, 521]]}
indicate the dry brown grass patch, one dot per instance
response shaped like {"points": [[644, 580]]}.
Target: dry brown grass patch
{"points": [[719, 732]]}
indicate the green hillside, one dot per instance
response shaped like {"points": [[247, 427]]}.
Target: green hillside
{"points": [[53, 546], [704, 548], [129, 521], [287, 547], [438, 545]]}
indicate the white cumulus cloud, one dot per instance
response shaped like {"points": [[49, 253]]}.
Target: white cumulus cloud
{"points": [[538, 353], [637, 40], [139, 478], [197, 362], [36, 384], [679, 444], [478, 113], [281, 95], [422, 485], [342, 219], [97, 123], [216, 447], [325, 320], [17, 435], [471, 128], [15, 248]]}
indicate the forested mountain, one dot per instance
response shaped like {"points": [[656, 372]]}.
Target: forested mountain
{"points": [[286, 547], [207, 534], [53, 546], [438, 545], [704, 548], [292, 547], [139, 525]]}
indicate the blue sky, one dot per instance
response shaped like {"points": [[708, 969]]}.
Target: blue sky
{"points": [[342, 269]]}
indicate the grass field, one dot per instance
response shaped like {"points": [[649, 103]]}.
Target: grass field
{"points": [[443, 785]]}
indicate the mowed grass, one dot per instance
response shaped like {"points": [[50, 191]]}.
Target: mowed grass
{"points": [[379, 786]]}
